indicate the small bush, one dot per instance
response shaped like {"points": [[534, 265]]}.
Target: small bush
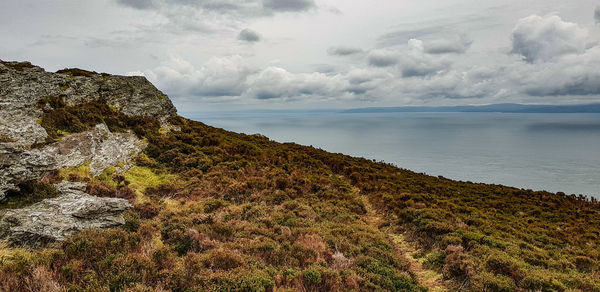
{"points": [[223, 259], [311, 276]]}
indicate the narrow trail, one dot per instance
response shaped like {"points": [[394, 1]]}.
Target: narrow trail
{"points": [[429, 279]]}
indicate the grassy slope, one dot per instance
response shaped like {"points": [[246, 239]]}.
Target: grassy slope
{"points": [[216, 210]]}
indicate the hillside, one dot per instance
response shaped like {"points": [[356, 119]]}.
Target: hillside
{"points": [[133, 197]]}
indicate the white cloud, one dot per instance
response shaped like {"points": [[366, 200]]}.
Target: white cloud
{"points": [[222, 76], [416, 62], [551, 60], [542, 38], [569, 75], [275, 82]]}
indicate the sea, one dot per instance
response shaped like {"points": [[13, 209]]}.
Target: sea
{"points": [[556, 152]]}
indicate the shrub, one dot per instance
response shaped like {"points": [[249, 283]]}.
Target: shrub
{"points": [[502, 264], [147, 210], [585, 264], [101, 189], [539, 280], [457, 264], [223, 259], [311, 276], [493, 283], [212, 205]]}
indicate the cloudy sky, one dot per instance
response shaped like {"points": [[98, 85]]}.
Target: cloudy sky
{"points": [[297, 54]]}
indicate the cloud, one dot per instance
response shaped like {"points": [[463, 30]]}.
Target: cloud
{"points": [[137, 4], [382, 58], [542, 38], [246, 8], [597, 14], [274, 82], [343, 51], [289, 5], [248, 35], [220, 76], [570, 75], [457, 44], [416, 63], [232, 77], [416, 72]]}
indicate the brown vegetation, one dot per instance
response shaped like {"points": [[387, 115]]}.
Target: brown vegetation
{"points": [[244, 213]]}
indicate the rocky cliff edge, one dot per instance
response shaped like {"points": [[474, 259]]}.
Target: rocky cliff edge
{"points": [[29, 152]]}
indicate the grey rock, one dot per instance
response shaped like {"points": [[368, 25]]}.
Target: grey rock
{"points": [[23, 85], [99, 147], [20, 91], [53, 220], [18, 164]]}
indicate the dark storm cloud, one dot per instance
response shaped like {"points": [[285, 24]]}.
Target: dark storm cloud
{"points": [[289, 5], [248, 35], [597, 14], [343, 51]]}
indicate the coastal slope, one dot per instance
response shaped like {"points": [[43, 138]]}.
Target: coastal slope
{"points": [[171, 204]]}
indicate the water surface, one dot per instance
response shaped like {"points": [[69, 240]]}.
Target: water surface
{"points": [[554, 152]]}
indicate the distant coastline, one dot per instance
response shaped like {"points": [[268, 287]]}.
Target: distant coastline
{"points": [[497, 108]]}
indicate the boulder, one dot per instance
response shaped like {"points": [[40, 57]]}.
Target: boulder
{"points": [[53, 220]]}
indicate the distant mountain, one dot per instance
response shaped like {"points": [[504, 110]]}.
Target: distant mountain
{"points": [[498, 108]]}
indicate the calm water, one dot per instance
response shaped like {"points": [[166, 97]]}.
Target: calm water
{"points": [[554, 152]]}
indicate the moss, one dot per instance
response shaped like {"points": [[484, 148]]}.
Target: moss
{"points": [[107, 176], [81, 172], [141, 177]]}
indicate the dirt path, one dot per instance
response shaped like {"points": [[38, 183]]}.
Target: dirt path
{"points": [[429, 279]]}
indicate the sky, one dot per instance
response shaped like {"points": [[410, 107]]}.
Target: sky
{"points": [[211, 55]]}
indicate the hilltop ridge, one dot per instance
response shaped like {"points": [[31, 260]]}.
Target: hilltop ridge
{"points": [[106, 188]]}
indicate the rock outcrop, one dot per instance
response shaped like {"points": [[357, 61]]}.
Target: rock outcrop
{"points": [[26, 152], [23, 85], [98, 147], [53, 220]]}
